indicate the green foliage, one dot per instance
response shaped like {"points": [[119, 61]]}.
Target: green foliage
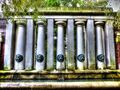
{"points": [[50, 3], [25, 7], [117, 20]]}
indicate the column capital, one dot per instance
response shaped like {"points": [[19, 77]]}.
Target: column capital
{"points": [[40, 22], [80, 22], [60, 21], [21, 21], [99, 23]]}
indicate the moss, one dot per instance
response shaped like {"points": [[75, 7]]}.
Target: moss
{"points": [[92, 67], [50, 69], [71, 67], [6, 68], [5, 76], [113, 63], [28, 69]]}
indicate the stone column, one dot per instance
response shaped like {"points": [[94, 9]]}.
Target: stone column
{"points": [[70, 45], [110, 45], [100, 57], [9, 43], [1, 62], [40, 54], [60, 58], [20, 45], [80, 45], [90, 44], [2, 35], [29, 45], [50, 44]]}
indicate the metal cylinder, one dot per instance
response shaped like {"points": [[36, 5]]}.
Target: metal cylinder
{"points": [[80, 45], [99, 45], [60, 63], [20, 46], [40, 53]]}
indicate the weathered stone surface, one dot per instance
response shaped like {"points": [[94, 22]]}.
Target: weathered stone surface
{"points": [[29, 44], [50, 44], [19, 57], [70, 45], [110, 45], [91, 44], [9, 43]]}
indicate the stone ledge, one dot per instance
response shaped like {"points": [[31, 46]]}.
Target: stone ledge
{"points": [[69, 10], [52, 85], [60, 75]]}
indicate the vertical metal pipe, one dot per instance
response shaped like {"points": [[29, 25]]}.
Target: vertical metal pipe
{"points": [[99, 45], [29, 45], [20, 45], [50, 44], [80, 45], [8, 59], [40, 57], [60, 63]]}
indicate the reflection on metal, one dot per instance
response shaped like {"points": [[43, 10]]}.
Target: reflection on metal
{"points": [[99, 45], [40, 62], [80, 44], [60, 44], [20, 45]]}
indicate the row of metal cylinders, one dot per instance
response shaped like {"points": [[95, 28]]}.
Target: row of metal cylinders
{"points": [[91, 50]]}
